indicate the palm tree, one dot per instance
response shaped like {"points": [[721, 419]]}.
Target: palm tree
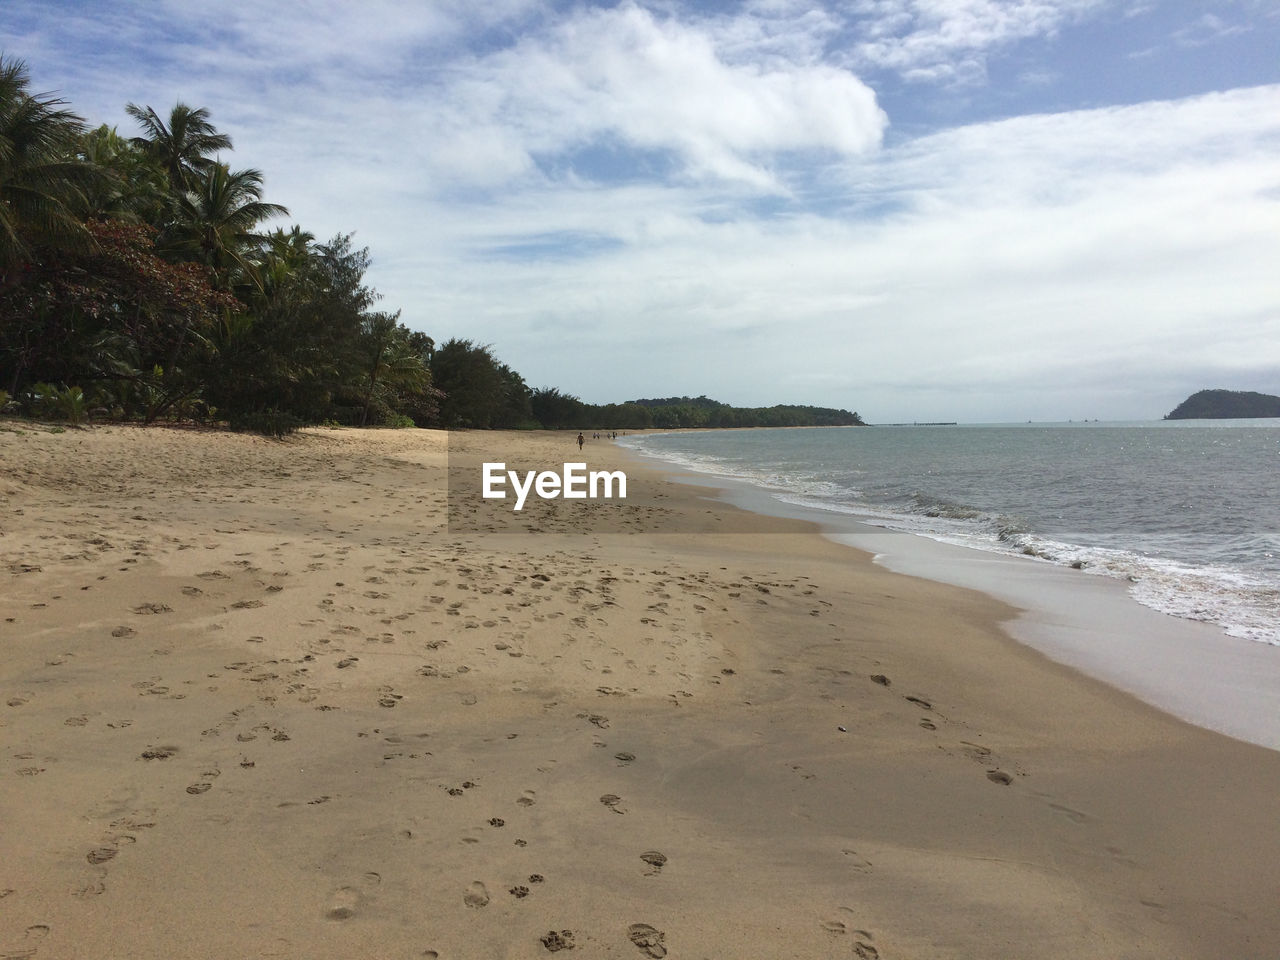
{"points": [[292, 247], [133, 187], [279, 266], [214, 221], [182, 146], [42, 183], [389, 358]]}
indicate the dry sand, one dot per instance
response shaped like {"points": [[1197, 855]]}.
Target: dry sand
{"points": [[258, 699]]}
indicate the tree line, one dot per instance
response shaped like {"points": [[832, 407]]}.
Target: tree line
{"points": [[557, 410], [139, 281]]}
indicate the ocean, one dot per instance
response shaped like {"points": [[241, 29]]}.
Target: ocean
{"points": [[1186, 513]]}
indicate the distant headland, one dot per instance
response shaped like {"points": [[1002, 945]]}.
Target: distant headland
{"points": [[1225, 405]]}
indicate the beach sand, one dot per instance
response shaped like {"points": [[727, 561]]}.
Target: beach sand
{"points": [[262, 699]]}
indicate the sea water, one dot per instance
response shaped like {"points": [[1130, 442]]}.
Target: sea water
{"points": [[1185, 513]]}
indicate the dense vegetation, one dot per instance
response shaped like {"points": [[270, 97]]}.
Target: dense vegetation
{"points": [[1226, 405], [554, 409], [138, 280]]}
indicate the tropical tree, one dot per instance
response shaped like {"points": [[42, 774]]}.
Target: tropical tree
{"points": [[133, 185], [297, 348], [473, 382], [515, 409], [390, 360], [291, 247], [183, 146], [214, 222], [116, 314], [556, 410], [42, 183], [421, 402]]}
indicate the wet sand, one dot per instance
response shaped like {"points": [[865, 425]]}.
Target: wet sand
{"points": [[1191, 669], [262, 699]]}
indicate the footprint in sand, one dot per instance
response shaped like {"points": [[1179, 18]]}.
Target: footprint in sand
{"points": [[101, 855], [613, 802], [477, 895], [859, 862], [31, 935], [1000, 777], [343, 904], [555, 940], [655, 860], [94, 886], [650, 940]]}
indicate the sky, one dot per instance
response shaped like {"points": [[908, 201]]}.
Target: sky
{"points": [[921, 210]]}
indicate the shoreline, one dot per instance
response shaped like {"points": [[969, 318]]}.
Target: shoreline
{"points": [[266, 681], [1222, 683]]}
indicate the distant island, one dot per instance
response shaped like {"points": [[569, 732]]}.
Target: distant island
{"points": [[555, 410], [704, 412], [1225, 405]]}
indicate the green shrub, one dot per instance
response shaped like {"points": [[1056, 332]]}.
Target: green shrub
{"points": [[399, 421], [194, 408], [270, 422], [70, 404]]}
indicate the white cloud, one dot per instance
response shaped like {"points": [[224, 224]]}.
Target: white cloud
{"points": [[626, 76], [1205, 30], [721, 98], [949, 40]]}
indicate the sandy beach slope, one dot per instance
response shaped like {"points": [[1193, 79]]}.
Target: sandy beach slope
{"points": [[261, 699]]}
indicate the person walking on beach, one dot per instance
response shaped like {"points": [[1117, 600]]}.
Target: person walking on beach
{"points": [[581, 441]]}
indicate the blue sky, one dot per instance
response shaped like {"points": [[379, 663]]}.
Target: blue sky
{"points": [[975, 210]]}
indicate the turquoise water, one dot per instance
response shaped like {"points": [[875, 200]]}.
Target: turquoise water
{"points": [[1187, 512]]}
